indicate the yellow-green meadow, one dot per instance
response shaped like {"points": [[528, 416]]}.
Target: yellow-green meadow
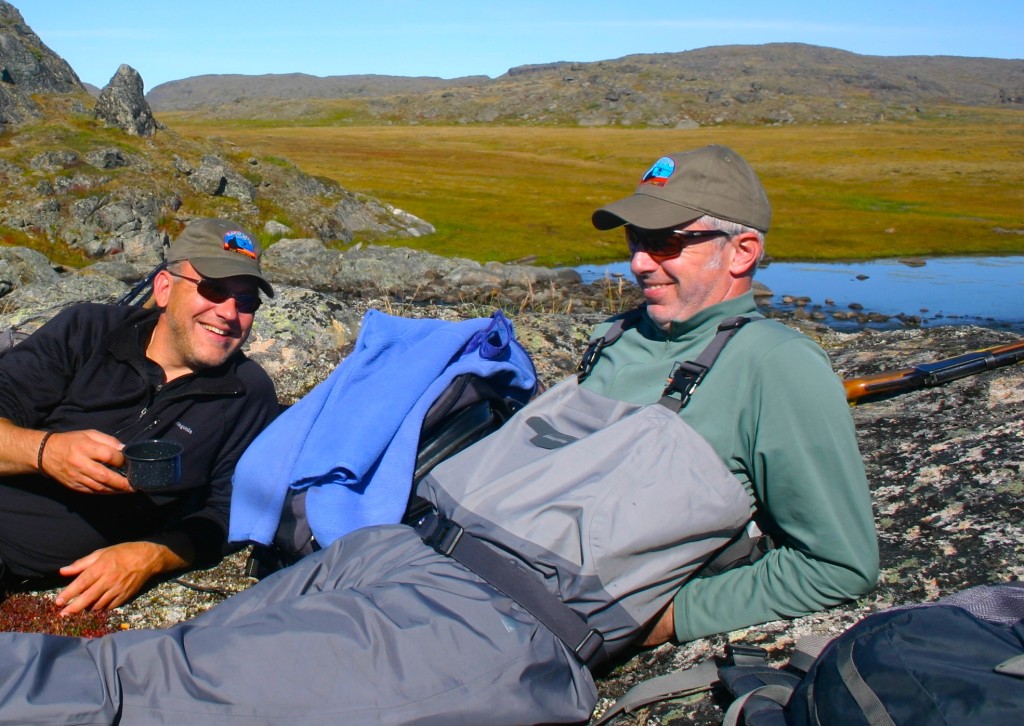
{"points": [[950, 185]]}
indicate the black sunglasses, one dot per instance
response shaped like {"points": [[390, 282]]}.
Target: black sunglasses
{"points": [[664, 244], [216, 294]]}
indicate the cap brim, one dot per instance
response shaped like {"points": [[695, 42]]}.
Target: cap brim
{"points": [[220, 268], [644, 211]]}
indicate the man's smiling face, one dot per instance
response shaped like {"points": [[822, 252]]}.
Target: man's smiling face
{"points": [[197, 332]]}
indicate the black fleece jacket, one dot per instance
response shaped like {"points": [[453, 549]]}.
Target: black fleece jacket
{"points": [[86, 369]]}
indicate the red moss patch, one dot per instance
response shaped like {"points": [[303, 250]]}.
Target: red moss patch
{"points": [[33, 614]]}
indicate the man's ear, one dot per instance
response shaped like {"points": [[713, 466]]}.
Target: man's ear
{"points": [[161, 294], [746, 255]]}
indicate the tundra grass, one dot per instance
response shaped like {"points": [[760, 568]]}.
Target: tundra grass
{"points": [[944, 186]]}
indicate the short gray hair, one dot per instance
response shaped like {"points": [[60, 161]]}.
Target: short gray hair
{"points": [[732, 229]]}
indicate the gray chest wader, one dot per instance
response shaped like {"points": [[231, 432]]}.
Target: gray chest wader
{"points": [[587, 511]]}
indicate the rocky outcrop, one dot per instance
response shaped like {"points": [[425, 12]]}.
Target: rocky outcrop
{"points": [[27, 66], [69, 185], [26, 63], [122, 103], [410, 276]]}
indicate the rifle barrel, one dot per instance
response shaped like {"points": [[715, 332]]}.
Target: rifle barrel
{"points": [[935, 373]]}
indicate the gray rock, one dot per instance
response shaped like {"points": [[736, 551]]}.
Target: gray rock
{"points": [[305, 262], [182, 166], [217, 179], [29, 306], [110, 158], [298, 337], [122, 103], [275, 228], [21, 266], [405, 275], [53, 160], [354, 214], [10, 171], [123, 224], [15, 107]]}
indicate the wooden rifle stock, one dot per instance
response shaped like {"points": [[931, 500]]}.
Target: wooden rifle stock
{"points": [[933, 374]]}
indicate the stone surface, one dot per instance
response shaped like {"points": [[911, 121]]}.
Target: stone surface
{"points": [[122, 103], [27, 67]]}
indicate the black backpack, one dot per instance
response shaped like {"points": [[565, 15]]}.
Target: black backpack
{"points": [[468, 409], [959, 660]]}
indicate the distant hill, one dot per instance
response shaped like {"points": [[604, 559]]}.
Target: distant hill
{"points": [[773, 83], [215, 90]]}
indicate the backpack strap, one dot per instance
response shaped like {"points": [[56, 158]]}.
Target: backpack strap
{"points": [[774, 692], [746, 663], [687, 375], [696, 679], [868, 701]]}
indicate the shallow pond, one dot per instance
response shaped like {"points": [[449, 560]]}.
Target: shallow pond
{"points": [[942, 291]]}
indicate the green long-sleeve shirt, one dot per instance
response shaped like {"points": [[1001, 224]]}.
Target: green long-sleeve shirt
{"points": [[776, 414]]}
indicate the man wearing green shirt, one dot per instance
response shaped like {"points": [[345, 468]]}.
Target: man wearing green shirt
{"points": [[770, 407]]}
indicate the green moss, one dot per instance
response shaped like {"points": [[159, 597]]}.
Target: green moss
{"points": [[57, 252]]}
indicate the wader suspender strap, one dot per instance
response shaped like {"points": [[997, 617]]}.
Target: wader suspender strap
{"points": [[525, 588], [593, 351], [689, 374]]}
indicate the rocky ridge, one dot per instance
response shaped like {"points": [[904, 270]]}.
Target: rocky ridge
{"points": [[945, 464], [775, 83], [27, 67]]}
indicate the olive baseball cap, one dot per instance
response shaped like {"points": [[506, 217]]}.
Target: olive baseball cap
{"points": [[681, 187], [220, 248]]}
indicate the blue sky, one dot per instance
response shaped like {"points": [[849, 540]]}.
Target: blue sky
{"points": [[449, 38]]}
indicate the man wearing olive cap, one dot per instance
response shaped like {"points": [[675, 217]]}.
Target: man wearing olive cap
{"points": [[97, 377], [770, 406]]}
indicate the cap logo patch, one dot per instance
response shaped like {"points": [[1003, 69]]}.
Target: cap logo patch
{"points": [[236, 241], [659, 173]]}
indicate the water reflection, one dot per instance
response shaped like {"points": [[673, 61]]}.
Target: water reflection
{"points": [[942, 291]]}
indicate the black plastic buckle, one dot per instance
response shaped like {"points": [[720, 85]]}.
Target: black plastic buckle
{"points": [[738, 322], [686, 379], [590, 356], [746, 655], [445, 536], [589, 647]]}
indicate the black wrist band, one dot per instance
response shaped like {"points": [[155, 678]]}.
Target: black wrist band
{"points": [[39, 454]]}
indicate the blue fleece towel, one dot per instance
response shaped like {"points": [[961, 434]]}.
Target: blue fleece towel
{"points": [[353, 439]]}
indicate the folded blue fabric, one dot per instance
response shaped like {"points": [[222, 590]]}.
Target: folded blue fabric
{"points": [[353, 439]]}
